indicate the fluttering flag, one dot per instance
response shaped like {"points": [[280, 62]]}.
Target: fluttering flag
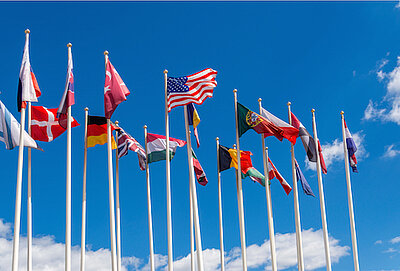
{"points": [[45, 125], [194, 120], [248, 119], [97, 132], [115, 90], [304, 184], [28, 88], [10, 131], [351, 149], [157, 147], [68, 98], [309, 143], [274, 173], [127, 142], [195, 88], [289, 132], [198, 170]]}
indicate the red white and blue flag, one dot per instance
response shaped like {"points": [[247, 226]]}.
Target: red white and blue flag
{"points": [[195, 88], [68, 98], [127, 142], [351, 148]]}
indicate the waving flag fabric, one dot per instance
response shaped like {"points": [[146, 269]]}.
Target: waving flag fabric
{"points": [[157, 147], [97, 132], [194, 120], [10, 130], [198, 170], [127, 142], [304, 184], [351, 148], [68, 98], [115, 90], [45, 125], [195, 88], [289, 132], [28, 88], [274, 173]]}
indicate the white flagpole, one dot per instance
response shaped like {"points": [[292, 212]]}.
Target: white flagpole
{"points": [[192, 263], [269, 202], [17, 215], [152, 266], [350, 199], [299, 244], [239, 192], [83, 229], [68, 188], [111, 190], [321, 197], [221, 229], [119, 265], [167, 166], [29, 218], [199, 249]]}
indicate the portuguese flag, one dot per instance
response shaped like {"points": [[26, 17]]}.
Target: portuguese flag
{"points": [[97, 132], [156, 147], [248, 119]]}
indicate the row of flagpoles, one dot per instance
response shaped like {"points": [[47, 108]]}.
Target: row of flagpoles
{"points": [[180, 91]]}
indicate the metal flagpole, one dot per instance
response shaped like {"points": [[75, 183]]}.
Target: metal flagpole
{"points": [[221, 229], [239, 192], [269, 202], [68, 188], [111, 190], [83, 229], [350, 199], [299, 244], [192, 263], [118, 211], [167, 166], [199, 249], [152, 267], [29, 218], [321, 197]]}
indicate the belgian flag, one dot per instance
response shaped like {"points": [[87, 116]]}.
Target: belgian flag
{"points": [[97, 132]]}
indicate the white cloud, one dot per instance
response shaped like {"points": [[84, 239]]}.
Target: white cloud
{"points": [[395, 240], [391, 152], [333, 152], [378, 242]]}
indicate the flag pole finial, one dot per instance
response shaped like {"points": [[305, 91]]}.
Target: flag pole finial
{"points": [[266, 148], [235, 90], [234, 146], [116, 122], [341, 113], [217, 138], [86, 109], [106, 53], [145, 126], [289, 103], [165, 71], [27, 31], [259, 99], [69, 44], [312, 110]]}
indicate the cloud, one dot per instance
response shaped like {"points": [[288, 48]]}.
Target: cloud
{"points": [[378, 242], [395, 240], [390, 152], [333, 152]]}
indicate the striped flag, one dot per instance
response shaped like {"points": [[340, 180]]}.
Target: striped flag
{"points": [[127, 142], [194, 120], [195, 88], [198, 170], [157, 147], [351, 148], [289, 132], [274, 173], [97, 132]]}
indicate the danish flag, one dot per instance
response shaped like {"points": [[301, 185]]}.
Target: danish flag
{"points": [[45, 125]]}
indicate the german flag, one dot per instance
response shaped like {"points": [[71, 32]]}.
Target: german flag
{"points": [[97, 132]]}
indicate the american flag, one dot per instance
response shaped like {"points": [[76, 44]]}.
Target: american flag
{"points": [[194, 88], [127, 142], [68, 98]]}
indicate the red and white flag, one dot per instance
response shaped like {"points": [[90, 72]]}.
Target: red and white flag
{"points": [[115, 90], [273, 172], [289, 132], [45, 125]]}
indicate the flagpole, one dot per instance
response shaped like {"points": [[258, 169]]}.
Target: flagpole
{"points": [[269, 202], [350, 199], [29, 217], [111, 190], [193, 198], [83, 229], [17, 215], [167, 166], [152, 267], [118, 210], [192, 263], [240, 192], [321, 197], [299, 244], [221, 229]]}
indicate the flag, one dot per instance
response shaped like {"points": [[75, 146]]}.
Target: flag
{"points": [[97, 132], [351, 148], [10, 131], [274, 173], [68, 98], [127, 142], [289, 132], [115, 90], [304, 184], [195, 88], [28, 88], [194, 120], [45, 125], [309, 143], [248, 119], [198, 170], [156, 147]]}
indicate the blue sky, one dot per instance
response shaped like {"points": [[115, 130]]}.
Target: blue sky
{"points": [[330, 56]]}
